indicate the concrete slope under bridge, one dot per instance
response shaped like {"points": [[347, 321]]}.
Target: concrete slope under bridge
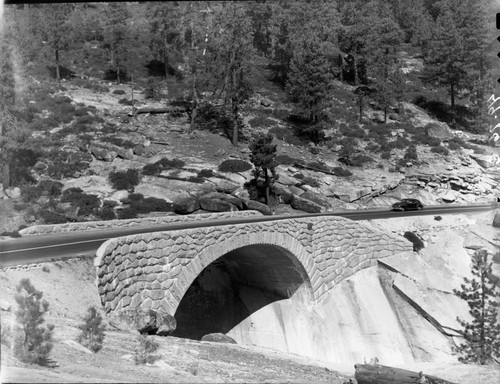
{"points": [[199, 274]]}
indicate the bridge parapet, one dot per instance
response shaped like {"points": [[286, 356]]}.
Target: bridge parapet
{"points": [[154, 270], [126, 223]]}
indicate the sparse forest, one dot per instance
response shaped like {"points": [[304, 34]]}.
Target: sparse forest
{"points": [[207, 60]]}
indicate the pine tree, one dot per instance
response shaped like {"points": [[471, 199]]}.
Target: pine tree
{"points": [[33, 341], [263, 157], [53, 24], [456, 49], [231, 50], [92, 335], [482, 335], [117, 37]]}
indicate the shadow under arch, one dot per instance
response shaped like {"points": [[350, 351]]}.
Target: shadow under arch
{"points": [[236, 285]]}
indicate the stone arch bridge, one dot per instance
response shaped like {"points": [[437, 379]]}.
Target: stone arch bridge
{"points": [[155, 270]]}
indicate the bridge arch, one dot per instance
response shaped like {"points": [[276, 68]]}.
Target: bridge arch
{"points": [[155, 270]]}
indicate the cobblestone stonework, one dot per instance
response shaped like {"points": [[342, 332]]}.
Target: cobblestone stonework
{"points": [[154, 270], [113, 224]]}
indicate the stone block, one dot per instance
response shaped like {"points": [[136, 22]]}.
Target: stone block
{"points": [[157, 294]]}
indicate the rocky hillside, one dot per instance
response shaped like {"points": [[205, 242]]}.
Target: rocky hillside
{"points": [[161, 166]]}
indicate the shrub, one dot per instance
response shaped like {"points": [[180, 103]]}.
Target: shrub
{"points": [[353, 130], [119, 92], [310, 181], [206, 173], [287, 160], [286, 134], [438, 218], [125, 180], [261, 122], [127, 213], [454, 145], [411, 153], [11, 234], [144, 352], [319, 165], [62, 164], [234, 166], [118, 141], [386, 155], [372, 147], [107, 214], [480, 151], [440, 149], [50, 217], [125, 101], [32, 342], [339, 171], [360, 159], [418, 244], [92, 330], [160, 165], [21, 162], [87, 204]]}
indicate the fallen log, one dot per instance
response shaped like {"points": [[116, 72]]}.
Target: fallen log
{"points": [[159, 110], [381, 374]]}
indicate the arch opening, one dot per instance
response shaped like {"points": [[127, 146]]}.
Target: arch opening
{"points": [[236, 285]]}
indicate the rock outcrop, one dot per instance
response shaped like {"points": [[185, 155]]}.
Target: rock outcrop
{"points": [[143, 321], [218, 338]]}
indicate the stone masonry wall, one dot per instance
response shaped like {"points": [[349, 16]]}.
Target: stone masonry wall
{"points": [[154, 270], [109, 224]]}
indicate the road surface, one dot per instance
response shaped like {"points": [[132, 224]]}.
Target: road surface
{"points": [[38, 248]]}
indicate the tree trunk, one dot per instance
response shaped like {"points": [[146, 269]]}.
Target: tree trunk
{"points": [[193, 84], [452, 91], [266, 179], [118, 74], [6, 175], [360, 108], [235, 122], [385, 115], [58, 69]]}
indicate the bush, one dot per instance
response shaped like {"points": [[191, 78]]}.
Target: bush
{"points": [[339, 171], [418, 244], [319, 165], [125, 101], [163, 164], [125, 180], [32, 341], [49, 188], [286, 160], [119, 92], [386, 155], [62, 164], [144, 352], [14, 234], [92, 330], [310, 181], [261, 122], [21, 162], [50, 217], [411, 153], [353, 130], [234, 166], [107, 214], [87, 204], [360, 159], [480, 151], [440, 149], [206, 173], [286, 134]]}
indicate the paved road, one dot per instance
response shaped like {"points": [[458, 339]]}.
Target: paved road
{"points": [[37, 248]]}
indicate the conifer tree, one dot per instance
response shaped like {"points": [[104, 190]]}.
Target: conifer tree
{"points": [[231, 50], [456, 49], [53, 24], [482, 335], [92, 335], [33, 341], [263, 157]]}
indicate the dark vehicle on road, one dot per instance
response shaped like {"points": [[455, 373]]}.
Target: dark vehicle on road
{"points": [[407, 205]]}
